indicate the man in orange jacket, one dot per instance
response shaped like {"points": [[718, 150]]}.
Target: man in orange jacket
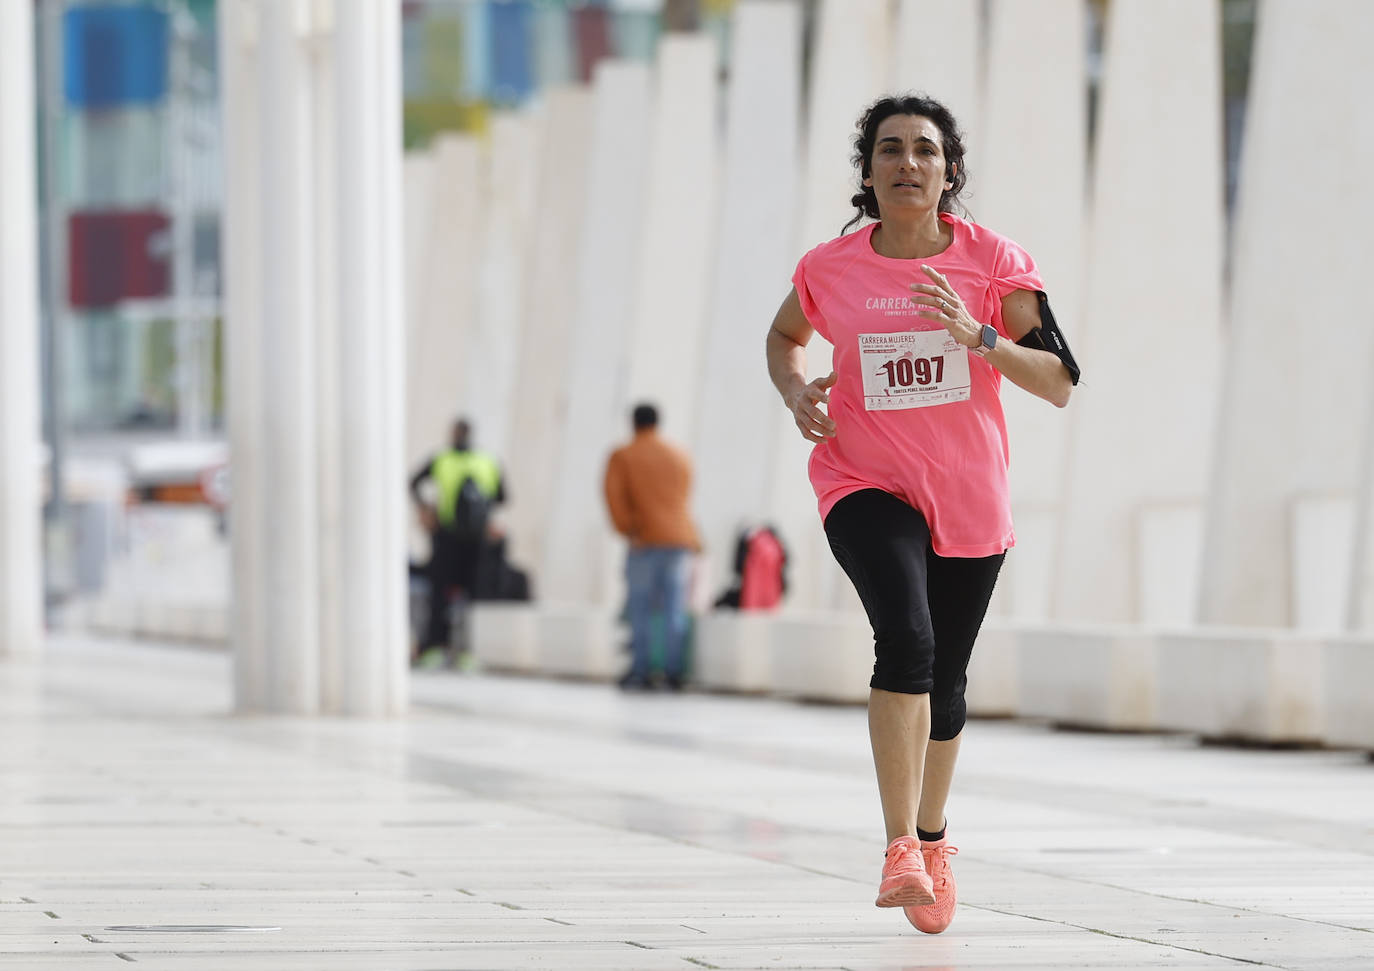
{"points": [[648, 488]]}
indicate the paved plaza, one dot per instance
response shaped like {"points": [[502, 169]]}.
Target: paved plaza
{"points": [[516, 823]]}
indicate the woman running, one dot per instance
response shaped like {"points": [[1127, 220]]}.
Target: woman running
{"points": [[926, 312]]}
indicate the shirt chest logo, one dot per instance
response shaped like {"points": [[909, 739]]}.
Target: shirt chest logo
{"points": [[901, 306]]}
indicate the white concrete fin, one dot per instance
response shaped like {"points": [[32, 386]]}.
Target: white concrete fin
{"points": [[1028, 176], [1322, 541], [1168, 566], [1142, 420], [850, 68], [1296, 408], [754, 258], [938, 50], [677, 234], [447, 244], [580, 559], [1023, 589], [490, 366], [538, 423]]}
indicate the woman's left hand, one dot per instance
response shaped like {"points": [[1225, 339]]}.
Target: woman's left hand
{"points": [[948, 309]]}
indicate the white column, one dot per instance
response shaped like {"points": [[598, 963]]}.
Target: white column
{"points": [[850, 57], [1295, 415], [21, 560], [334, 436], [1029, 181], [938, 51], [394, 505], [581, 564], [290, 564], [539, 415], [419, 186], [369, 472], [1143, 418], [755, 255], [240, 59]]}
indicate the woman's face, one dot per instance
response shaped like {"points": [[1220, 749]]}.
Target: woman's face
{"points": [[908, 168]]}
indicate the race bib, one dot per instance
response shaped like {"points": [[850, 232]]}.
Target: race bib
{"points": [[913, 369]]}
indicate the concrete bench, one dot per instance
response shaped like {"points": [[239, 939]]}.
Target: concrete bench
{"points": [[821, 656], [576, 641], [1100, 678], [1257, 685], [504, 636], [1348, 681], [732, 651], [994, 689]]}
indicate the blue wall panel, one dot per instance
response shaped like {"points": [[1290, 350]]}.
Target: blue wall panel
{"points": [[114, 55], [512, 68]]}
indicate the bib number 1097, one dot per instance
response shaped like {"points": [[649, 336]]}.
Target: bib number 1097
{"points": [[913, 369], [905, 372]]}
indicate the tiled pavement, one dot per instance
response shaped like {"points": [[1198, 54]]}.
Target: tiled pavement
{"points": [[517, 823]]}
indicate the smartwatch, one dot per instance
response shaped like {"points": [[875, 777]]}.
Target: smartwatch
{"points": [[989, 338]]}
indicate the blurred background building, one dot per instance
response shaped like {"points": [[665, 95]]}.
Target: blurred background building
{"points": [[603, 201], [131, 180]]}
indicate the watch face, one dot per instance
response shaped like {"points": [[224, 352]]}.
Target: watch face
{"points": [[989, 336]]}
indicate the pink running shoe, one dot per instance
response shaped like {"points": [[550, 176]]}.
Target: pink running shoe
{"points": [[934, 917], [905, 881]]}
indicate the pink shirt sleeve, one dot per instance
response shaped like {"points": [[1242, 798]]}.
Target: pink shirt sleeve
{"points": [[1013, 269], [810, 302]]}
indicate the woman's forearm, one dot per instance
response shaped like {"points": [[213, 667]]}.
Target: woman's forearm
{"points": [[786, 364], [1039, 372]]}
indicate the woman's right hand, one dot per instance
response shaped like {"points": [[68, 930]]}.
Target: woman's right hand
{"points": [[814, 424]]}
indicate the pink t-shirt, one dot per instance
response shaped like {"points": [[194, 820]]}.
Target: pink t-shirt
{"points": [[909, 418]]}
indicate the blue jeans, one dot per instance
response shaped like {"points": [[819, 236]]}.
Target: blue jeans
{"points": [[657, 577]]}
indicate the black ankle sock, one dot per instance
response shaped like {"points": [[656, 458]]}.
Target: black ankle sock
{"points": [[925, 837]]}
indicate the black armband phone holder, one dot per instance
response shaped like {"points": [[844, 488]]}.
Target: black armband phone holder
{"points": [[1048, 337]]}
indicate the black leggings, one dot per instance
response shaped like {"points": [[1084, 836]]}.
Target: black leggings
{"points": [[925, 609]]}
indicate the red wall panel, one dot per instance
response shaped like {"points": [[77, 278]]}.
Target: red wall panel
{"points": [[117, 255]]}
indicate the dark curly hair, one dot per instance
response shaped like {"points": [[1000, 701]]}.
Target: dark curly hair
{"points": [[864, 142]]}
